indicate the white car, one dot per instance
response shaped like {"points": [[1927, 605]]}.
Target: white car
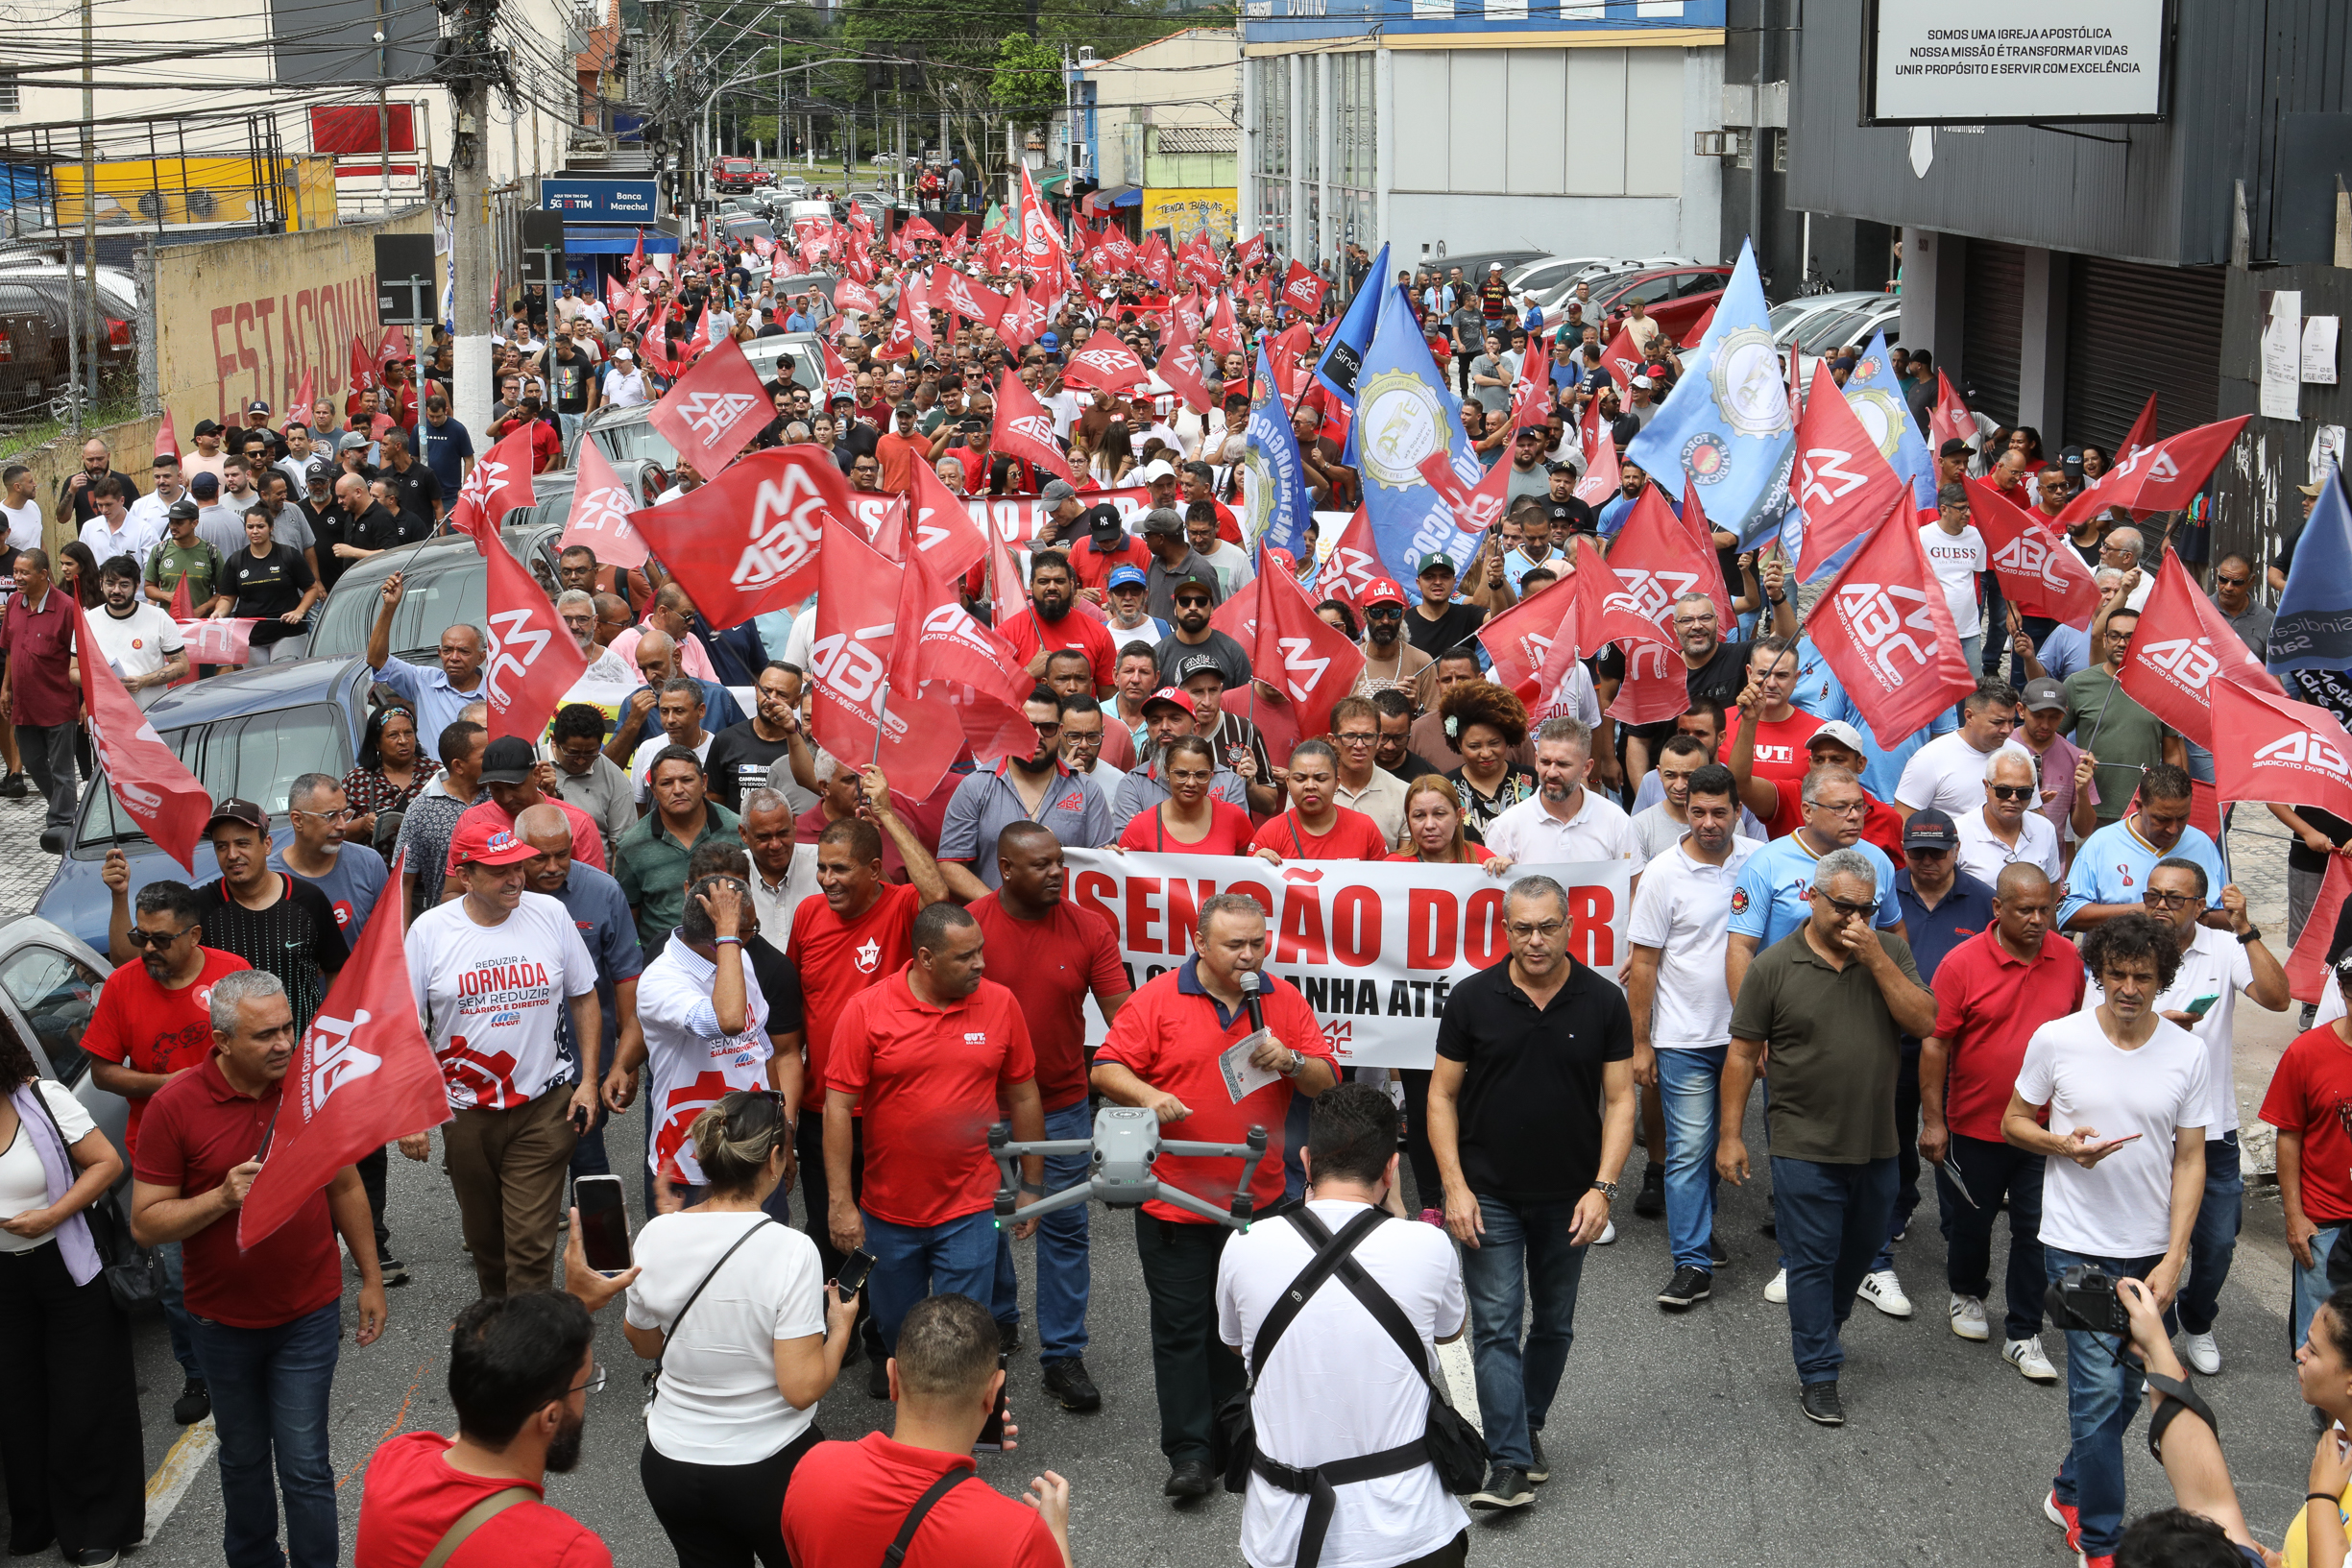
{"points": [[1816, 334]]}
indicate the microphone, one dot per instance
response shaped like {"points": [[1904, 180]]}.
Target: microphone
{"points": [[1249, 984]]}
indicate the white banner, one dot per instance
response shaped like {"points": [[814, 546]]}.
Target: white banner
{"points": [[1373, 946]]}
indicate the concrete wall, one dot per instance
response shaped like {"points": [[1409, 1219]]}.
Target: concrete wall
{"points": [[133, 444], [245, 318], [1188, 78]]}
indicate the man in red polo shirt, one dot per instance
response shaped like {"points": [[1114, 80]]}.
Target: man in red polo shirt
{"points": [[1779, 803], [856, 935], [1991, 992], [38, 695], [925, 1054], [1316, 827], [849, 1502], [511, 776], [1162, 1055], [266, 1320], [1051, 954]]}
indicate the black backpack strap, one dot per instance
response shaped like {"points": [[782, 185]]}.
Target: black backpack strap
{"points": [[896, 1552], [1331, 1252]]}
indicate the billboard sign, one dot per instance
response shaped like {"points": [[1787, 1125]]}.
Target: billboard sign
{"points": [[600, 199], [1928, 63]]}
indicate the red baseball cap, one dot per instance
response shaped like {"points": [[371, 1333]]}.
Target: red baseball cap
{"points": [[1171, 695], [480, 844], [1384, 591]]}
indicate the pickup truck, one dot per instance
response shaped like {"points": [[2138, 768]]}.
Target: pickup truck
{"points": [[733, 174]]}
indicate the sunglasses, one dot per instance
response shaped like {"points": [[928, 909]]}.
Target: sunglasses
{"points": [[157, 939], [2011, 792], [1192, 603], [1842, 906]]}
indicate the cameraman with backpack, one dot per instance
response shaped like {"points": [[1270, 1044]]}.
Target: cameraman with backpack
{"points": [[1340, 1464]]}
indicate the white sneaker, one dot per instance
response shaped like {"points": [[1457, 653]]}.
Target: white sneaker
{"points": [[1884, 1292], [2026, 1355], [2200, 1351], [1609, 1234], [1968, 1317], [1777, 1292]]}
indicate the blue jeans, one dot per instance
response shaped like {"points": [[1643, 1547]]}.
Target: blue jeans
{"points": [[2310, 1287], [271, 1388], [2201, 762], [1524, 1245], [2213, 1241], [1831, 1221], [2102, 1397], [911, 1261], [1689, 1090], [1992, 1172], [1063, 1277], [176, 1311]]}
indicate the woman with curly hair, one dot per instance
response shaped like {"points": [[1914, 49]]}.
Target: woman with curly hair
{"points": [[1336, 615], [1484, 724], [1434, 831], [70, 1445]]}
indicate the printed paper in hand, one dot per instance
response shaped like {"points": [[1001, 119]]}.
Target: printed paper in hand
{"points": [[1243, 1076]]}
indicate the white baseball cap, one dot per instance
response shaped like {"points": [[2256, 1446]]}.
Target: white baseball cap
{"points": [[1495, 266], [1839, 731], [623, 356]]}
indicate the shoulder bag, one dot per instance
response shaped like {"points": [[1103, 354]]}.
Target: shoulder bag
{"points": [[653, 1378]]}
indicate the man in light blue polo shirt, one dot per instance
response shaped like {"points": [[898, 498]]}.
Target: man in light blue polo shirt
{"points": [[1039, 788], [2109, 877], [1769, 900], [441, 694]]}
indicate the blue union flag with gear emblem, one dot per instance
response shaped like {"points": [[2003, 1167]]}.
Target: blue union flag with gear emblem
{"points": [[1403, 415], [1726, 425], [1276, 498]]}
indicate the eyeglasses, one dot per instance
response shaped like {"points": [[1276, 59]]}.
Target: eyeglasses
{"points": [[1046, 730], [1853, 809], [2168, 900], [2220, 581], [1842, 906], [344, 815], [1525, 929], [596, 1376], [1707, 619], [142, 938], [1356, 739]]}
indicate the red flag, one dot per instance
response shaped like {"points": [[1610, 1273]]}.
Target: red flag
{"points": [[2272, 749], [1883, 625], [1622, 361], [168, 439], [1474, 507], [1154, 260], [2161, 478], [1041, 248], [1013, 327], [713, 410], [1106, 363], [225, 640], [1841, 479], [2309, 978], [2180, 645], [856, 633], [1602, 473], [147, 780], [1948, 418], [1304, 657], [1531, 390], [395, 344], [940, 529], [599, 515], [700, 343], [1654, 562], [1198, 260], [1024, 429], [1304, 288], [362, 365], [1703, 540], [841, 381], [851, 295], [1007, 593], [748, 541], [533, 658], [971, 301], [500, 482], [306, 394], [1247, 253], [637, 257], [2039, 571], [2142, 432], [364, 1033], [946, 656], [1182, 368], [1224, 335], [1519, 642], [1354, 565]]}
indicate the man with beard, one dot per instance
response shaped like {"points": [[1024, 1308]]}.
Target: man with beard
{"points": [[1048, 624], [1173, 563], [1039, 788], [1194, 638], [1391, 662], [520, 1370]]}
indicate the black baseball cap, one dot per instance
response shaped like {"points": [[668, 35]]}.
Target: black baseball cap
{"points": [[508, 760], [1931, 830]]}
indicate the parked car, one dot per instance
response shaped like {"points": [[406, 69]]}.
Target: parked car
{"points": [[44, 289], [33, 360], [1676, 298], [445, 582], [1785, 316], [49, 982], [1816, 334], [248, 733], [1473, 263]]}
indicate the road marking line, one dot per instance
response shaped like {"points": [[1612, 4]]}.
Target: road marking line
{"points": [[1462, 1380], [177, 1473]]}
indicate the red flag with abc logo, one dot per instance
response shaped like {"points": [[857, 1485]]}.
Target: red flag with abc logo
{"points": [[363, 1074], [2039, 571], [145, 775], [2180, 645], [1883, 626], [748, 540], [533, 658], [857, 715], [2270, 748]]}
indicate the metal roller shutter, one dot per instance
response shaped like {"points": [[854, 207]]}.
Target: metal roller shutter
{"points": [[2131, 330], [1992, 324]]}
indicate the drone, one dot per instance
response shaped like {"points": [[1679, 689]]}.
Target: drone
{"points": [[1126, 1145]]}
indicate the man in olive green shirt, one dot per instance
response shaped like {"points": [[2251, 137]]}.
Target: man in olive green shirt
{"points": [[2102, 719], [650, 862], [183, 554], [1830, 1002]]}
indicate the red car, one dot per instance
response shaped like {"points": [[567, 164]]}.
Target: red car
{"points": [[1678, 298]]}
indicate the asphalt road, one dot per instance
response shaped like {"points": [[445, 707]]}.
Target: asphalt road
{"points": [[1675, 1440]]}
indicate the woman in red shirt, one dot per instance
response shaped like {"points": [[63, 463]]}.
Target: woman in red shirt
{"points": [[1190, 821], [1434, 834], [1316, 827]]}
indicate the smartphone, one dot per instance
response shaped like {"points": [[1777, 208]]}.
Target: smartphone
{"points": [[851, 1278], [2202, 1005], [992, 1438], [604, 1222]]}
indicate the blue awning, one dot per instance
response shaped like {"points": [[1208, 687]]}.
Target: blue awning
{"points": [[603, 239], [1128, 198]]}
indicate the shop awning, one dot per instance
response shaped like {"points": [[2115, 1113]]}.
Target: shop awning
{"points": [[605, 239]]}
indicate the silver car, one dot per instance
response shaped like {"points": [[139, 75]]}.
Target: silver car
{"points": [[49, 982]]}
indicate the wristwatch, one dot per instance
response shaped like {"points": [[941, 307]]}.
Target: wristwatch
{"points": [[2250, 935], [1606, 1189], [1298, 1060]]}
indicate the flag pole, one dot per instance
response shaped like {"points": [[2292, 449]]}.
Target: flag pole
{"points": [[882, 704]]}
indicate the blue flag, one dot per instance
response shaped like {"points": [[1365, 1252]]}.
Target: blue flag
{"points": [[2312, 629], [1404, 414], [1875, 397], [1725, 424], [1276, 505], [1343, 359]]}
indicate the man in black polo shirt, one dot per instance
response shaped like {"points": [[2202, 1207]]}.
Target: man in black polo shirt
{"points": [[1531, 1117], [419, 493], [1563, 506]]}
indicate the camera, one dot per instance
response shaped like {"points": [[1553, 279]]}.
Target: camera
{"points": [[2084, 1296]]}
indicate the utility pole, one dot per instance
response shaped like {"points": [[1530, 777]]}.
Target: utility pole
{"points": [[92, 319], [467, 70]]}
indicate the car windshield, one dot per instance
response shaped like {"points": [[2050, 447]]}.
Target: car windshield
{"points": [[636, 438], [436, 594], [255, 756], [1831, 328]]}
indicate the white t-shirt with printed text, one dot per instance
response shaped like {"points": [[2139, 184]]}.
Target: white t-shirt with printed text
{"points": [[492, 995]]}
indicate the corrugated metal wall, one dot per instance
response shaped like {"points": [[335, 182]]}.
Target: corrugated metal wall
{"points": [[2131, 330], [1992, 327]]}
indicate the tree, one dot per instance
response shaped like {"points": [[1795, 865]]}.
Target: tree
{"points": [[1027, 83]]}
